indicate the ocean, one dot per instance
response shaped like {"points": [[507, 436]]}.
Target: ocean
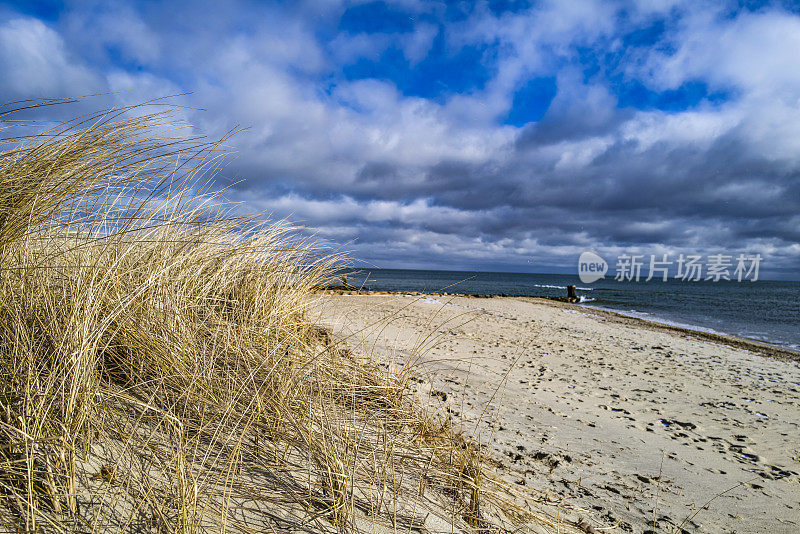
{"points": [[766, 311]]}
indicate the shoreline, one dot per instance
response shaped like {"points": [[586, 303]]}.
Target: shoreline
{"points": [[617, 421], [759, 347]]}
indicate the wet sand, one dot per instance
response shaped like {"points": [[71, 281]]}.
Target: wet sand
{"points": [[621, 422]]}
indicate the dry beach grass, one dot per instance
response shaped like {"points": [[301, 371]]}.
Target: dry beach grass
{"points": [[160, 370]]}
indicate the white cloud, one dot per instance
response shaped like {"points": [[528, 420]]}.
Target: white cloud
{"points": [[134, 88], [419, 212], [120, 27], [417, 44], [36, 64], [755, 53], [347, 48]]}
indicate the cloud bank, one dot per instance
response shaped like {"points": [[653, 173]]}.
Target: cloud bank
{"points": [[486, 135]]}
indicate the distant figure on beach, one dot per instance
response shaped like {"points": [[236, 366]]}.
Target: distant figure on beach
{"points": [[571, 295]]}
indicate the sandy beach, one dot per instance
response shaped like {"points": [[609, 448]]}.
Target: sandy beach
{"points": [[619, 422]]}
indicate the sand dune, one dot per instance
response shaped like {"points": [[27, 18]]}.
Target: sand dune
{"points": [[618, 422]]}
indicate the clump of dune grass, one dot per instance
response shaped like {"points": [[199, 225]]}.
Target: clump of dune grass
{"points": [[159, 370]]}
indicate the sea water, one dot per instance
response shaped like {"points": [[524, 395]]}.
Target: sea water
{"points": [[767, 311]]}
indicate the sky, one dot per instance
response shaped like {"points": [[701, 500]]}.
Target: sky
{"points": [[500, 136]]}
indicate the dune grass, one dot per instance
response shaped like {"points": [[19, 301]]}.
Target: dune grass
{"points": [[159, 370]]}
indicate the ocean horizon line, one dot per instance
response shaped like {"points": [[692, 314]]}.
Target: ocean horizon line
{"points": [[574, 274]]}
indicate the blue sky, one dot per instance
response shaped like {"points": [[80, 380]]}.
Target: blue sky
{"points": [[464, 135]]}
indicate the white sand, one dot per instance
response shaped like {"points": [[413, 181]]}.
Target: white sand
{"points": [[629, 424]]}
